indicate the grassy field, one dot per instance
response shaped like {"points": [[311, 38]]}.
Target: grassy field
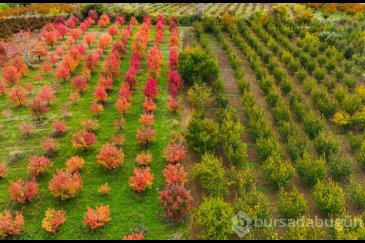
{"points": [[128, 209]]}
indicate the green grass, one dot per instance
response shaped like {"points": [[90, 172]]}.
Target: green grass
{"points": [[128, 209]]}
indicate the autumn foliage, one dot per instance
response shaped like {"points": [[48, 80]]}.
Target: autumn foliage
{"points": [[23, 191], [97, 218], [38, 165], [53, 219], [144, 158], [145, 135], [141, 180], [175, 173], [110, 157], [11, 225], [65, 184], [83, 139], [75, 163], [176, 200], [174, 152]]}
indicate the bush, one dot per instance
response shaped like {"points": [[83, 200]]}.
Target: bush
{"points": [[329, 197], [301, 75], [141, 180], [53, 219], [214, 216], [75, 163], [202, 134], [313, 126], [243, 181], [110, 157], [175, 174], [200, 95], [319, 74], [38, 165], [339, 166], [326, 144], [349, 81], [211, 175], [176, 200], [83, 139], [292, 204], [356, 192], [11, 225], [296, 231], [255, 204], [311, 169], [97, 218], [297, 145], [196, 66], [65, 184], [23, 191], [267, 147], [279, 173]]}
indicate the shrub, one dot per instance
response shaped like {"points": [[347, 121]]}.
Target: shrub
{"points": [[296, 231], [356, 192], [50, 145], [59, 127], [144, 158], [146, 119], [214, 216], [211, 174], [17, 95], [38, 165], [292, 204], [297, 145], [319, 74], [174, 152], [134, 236], [150, 88], [329, 197], [349, 81], [267, 147], [202, 134], [75, 163], [243, 181], [145, 135], [79, 83], [104, 189], [339, 166], [11, 225], [141, 180], [23, 191], [255, 204], [53, 219], [110, 157], [175, 174], [313, 126], [279, 173], [97, 218], [200, 95], [196, 66], [326, 144], [176, 200], [65, 184], [26, 129], [83, 139], [311, 169]]}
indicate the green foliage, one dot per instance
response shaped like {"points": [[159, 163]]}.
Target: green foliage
{"points": [[329, 197], [243, 181], [297, 145], [196, 66], [255, 204], [200, 95], [319, 74], [214, 217], [267, 147], [311, 169], [296, 231], [279, 172], [313, 126], [99, 8], [339, 166], [211, 175], [326, 144], [356, 192], [292, 205], [202, 134]]}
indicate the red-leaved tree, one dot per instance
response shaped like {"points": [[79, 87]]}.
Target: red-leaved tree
{"points": [[97, 218], [65, 184], [83, 139], [38, 165], [23, 191], [175, 173], [110, 157], [11, 225], [141, 180]]}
